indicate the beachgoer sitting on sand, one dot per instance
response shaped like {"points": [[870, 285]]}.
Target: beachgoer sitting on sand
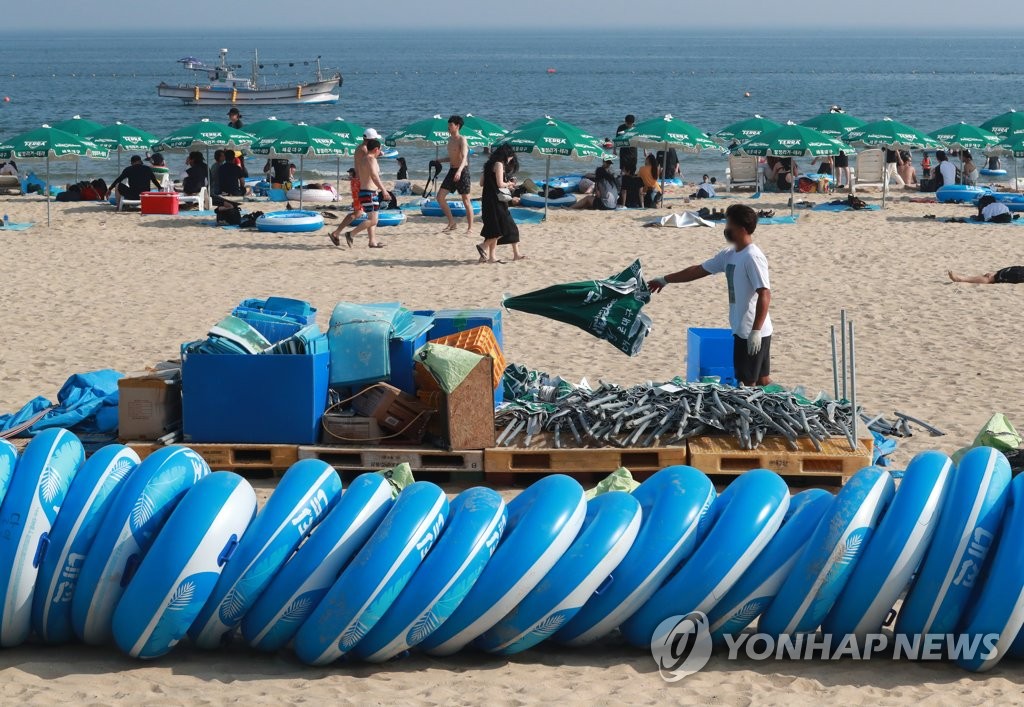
{"points": [[649, 174], [133, 180], [706, 190], [1013, 275], [782, 173], [605, 196], [8, 169], [991, 210], [906, 170], [947, 170], [631, 190]]}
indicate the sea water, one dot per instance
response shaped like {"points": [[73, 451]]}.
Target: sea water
{"points": [[701, 77]]}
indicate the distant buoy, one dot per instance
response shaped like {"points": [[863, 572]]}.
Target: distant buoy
{"points": [[552, 71], [7, 99], [747, 94]]}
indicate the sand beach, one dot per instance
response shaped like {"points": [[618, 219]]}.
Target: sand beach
{"points": [[103, 289]]}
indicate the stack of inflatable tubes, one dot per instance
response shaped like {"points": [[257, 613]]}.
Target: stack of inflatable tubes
{"points": [[147, 554]]}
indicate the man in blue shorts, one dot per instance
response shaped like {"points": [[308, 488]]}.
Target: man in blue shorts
{"points": [[368, 172], [746, 270]]}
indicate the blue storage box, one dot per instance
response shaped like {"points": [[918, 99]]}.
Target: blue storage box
{"points": [[276, 317], [404, 344], [452, 321], [709, 353], [258, 399]]}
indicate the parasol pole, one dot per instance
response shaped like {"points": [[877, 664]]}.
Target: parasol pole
{"points": [[664, 161], [47, 188], [547, 185], [301, 158], [792, 188], [338, 186]]}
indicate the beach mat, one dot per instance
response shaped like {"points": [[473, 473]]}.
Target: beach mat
{"points": [[17, 226], [526, 216], [971, 222], [844, 207], [204, 214], [218, 225]]}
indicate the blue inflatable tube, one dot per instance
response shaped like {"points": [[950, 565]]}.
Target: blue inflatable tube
{"points": [[430, 207], [536, 201], [998, 609], [470, 536], [138, 511], [748, 514], [569, 182], [8, 460], [608, 531], [385, 218], [960, 194], [971, 515], [36, 492], [825, 564], [300, 585], [759, 584], [674, 501], [294, 221], [895, 549], [90, 495], [372, 582], [542, 522], [985, 172], [305, 494], [182, 567]]}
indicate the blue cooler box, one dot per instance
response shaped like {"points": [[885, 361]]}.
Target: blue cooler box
{"points": [[452, 321], [258, 399], [709, 353], [401, 349], [276, 318]]}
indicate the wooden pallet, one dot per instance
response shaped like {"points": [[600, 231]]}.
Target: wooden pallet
{"points": [[506, 466], [257, 460], [722, 455], [426, 464]]}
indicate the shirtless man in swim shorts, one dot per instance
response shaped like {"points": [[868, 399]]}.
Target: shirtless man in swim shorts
{"points": [[368, 173], [457, 179], [356, 187]]}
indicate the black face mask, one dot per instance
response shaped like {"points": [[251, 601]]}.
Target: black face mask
{"points": [[728, 234]]}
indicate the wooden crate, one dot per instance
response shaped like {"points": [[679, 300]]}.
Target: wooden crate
{"points": [[722, 455], [503, 465], [437, 463], [252, 459]]}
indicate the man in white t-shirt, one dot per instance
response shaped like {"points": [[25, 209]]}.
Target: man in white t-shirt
{"points": [[946, 168], [750, 296]]}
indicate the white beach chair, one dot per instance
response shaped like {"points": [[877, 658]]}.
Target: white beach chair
{"points": [[201, 200], [743, 171], [870, 170], [10, 184]]}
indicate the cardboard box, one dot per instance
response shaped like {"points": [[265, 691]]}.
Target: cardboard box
{"points": [[340, 428], [149, 406], [394, 410], [464, 418]]}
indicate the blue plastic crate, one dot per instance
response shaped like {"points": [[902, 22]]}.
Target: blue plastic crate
{"points": [[254, 399], [709, 353], [453, 321], [276, 318], [404, 344]]}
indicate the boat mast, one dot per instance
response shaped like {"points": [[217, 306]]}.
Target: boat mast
{"points": [[319, 76], [255, 66]]}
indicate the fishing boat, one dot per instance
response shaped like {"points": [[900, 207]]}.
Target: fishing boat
{"points": [[224, 87]]}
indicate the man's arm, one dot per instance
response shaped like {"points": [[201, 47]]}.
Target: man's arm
{"points": [[694, 272], [463, 156], [120, 178], [375, 179], [764, 301]]}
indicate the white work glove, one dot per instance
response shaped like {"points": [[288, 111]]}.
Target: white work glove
{"points": [[754, 342], [658, 283]]}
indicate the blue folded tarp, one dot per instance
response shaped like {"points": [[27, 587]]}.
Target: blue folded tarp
{"points": [[359, 336], [86, 403]]}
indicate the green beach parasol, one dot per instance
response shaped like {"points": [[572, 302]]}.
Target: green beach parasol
{"points": [[792, 140], [666, 132], [609, 309], [889, 134], [834, 123], [548, 138], [1007, 127], [265, 128], [305, 141], [122, 138], [492, 131], [206, 135], [746, 129], [432, 132], [350, 132], [50, 144], [961, 136], [77, 125], [1015, 148]]}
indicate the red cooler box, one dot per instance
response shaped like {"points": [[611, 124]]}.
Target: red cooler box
{"points": [[160, 202]]}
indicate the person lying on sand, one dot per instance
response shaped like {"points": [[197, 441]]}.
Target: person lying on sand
{"points": [[1013, 275]]}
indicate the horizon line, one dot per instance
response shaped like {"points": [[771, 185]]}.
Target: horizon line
{"points": [[936, 31]]}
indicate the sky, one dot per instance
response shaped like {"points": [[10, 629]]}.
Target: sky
{"points": [[907, 17]]}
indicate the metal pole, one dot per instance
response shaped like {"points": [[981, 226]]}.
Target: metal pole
{"points": [[792, 189], [835, 365], [339, 175], [47, 188], [547, 186], [664, 162], [301, 190], [853, 386], [842, 335]]}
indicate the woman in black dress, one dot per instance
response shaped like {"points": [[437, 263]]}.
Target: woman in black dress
{"points": [[499, 227]]}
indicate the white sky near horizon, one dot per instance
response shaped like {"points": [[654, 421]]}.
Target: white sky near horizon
{"points": [[905, 17]]}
